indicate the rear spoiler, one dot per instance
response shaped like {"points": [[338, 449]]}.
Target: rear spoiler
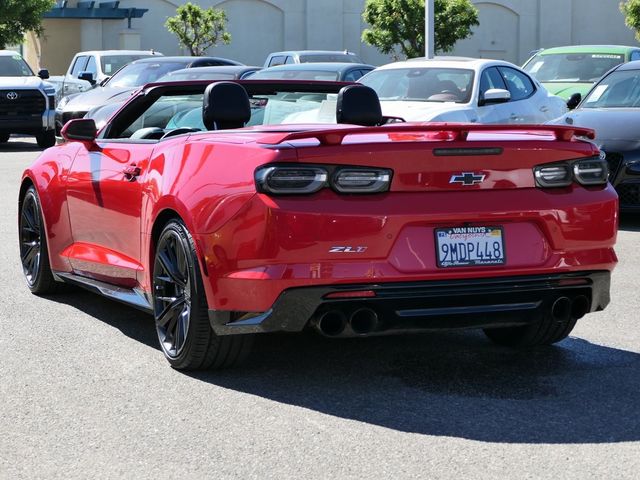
{"points": [[439, 131]]}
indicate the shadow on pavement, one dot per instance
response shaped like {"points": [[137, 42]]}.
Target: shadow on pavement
{"points": [[453, 384], [19, 145], [630, 222]]}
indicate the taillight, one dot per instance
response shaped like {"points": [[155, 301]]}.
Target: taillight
{"points": [[300, 180], [290, 180], [592, 171], [350, 180], [553, 175], [588, 171]]}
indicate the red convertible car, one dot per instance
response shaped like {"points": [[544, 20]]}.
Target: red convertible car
{"points": [[354, 226]]}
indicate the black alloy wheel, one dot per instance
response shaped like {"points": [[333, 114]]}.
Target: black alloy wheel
{"points": [[172, 293], [33, 246], [180, 308], [30, 238]]}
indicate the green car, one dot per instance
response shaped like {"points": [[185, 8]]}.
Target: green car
{"points": [[565, 71]]}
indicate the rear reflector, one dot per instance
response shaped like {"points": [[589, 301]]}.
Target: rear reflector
{"points": [[354, 294]]}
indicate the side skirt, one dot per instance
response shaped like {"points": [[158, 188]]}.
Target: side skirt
{"points": [[129, 296]]}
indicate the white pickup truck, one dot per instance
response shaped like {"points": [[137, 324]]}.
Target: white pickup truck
{"points": [[88, 69]]}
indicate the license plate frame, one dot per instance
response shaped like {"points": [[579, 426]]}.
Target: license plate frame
{"points": [[471, 238]]}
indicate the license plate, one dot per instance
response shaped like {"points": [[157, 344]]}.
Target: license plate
{"points": [[469, 246]]}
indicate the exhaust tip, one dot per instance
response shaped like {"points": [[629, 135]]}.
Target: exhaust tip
{"points": [[331, 323], [363, 321], [561, 309], [579, 307]]}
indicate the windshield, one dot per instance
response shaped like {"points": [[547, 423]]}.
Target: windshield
{"points": [[421, 84], [619, 89], [14, 66], [572, 67], [172, 111], [138, 74], [296, 74], [193, 74], [113, 63]]}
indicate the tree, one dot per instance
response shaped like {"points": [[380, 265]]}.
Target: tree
{"points": [[400, 23], [18, 17], [631, 11], [197, 28]]}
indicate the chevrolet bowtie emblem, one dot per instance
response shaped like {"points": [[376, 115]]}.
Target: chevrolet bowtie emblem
{"points": [[467, 178]]}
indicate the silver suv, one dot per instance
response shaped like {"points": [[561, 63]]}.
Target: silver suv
{"points": [[27, 102]]}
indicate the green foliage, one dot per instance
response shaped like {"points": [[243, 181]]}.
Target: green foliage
{"points": [[18, 17], [197, 28], [631, 11], [401, 24]]}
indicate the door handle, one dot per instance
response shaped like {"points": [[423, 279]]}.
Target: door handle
{"points": [[514, 117], [131, 172], [544, 109]]}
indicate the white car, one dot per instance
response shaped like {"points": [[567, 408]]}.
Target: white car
{"points": [[454, 89]]}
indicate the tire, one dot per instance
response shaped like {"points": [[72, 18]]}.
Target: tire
{"points": [[180, 308], [4, 137], [46, 139], [546, 331], [34, 255]]}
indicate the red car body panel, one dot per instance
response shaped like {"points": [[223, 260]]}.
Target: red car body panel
{"points": [[252, 247]]}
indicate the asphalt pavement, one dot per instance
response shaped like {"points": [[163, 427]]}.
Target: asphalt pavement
{"points": [[85, 393]]}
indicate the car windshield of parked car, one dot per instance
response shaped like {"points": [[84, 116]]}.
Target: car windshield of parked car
{"points": [[421, 84], [112, 63], [193, 74], [14, 66], [572, 67], [138, 74], [296, 75], [620, 89], [329, 57], [173, 111]]}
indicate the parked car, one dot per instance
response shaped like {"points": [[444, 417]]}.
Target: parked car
{"points": [[305, 56], [455, 89], [124, 81], [612, 109], [331, 71], [226, 72], [27, 102], [354, 229], [94, 67], [566, 71]]}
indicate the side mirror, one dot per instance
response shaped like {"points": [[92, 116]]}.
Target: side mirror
{"points": [[494, 96], [43, 74], [87, 77], [82, 129], [574, 100]]}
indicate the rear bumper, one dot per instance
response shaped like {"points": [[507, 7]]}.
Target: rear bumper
{"points": [[417, 306]]}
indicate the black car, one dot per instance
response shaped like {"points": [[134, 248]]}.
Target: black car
{"points": [[118, 87], [612, 109]]}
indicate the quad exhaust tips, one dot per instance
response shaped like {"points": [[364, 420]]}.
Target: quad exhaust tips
{"points": [[333, 323], [565, 308]]}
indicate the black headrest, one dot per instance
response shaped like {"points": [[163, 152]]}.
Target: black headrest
{"points": [[359, 105], [225, 105]]}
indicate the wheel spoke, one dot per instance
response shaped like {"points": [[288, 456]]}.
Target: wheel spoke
{"points": [[170, 312], [30, 216], [169, 267], [29, 252]]}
